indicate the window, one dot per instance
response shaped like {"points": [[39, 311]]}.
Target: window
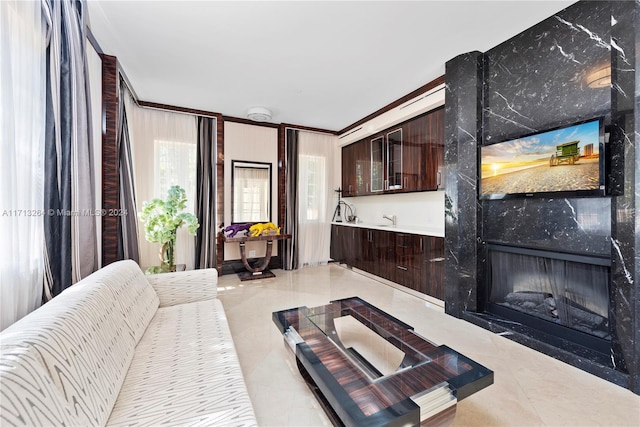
{"points": [[312, 177], [175, 164]]}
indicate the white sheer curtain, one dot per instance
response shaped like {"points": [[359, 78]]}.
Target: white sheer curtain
{"points": [[22, 111], [164, 154], [315, 178]]}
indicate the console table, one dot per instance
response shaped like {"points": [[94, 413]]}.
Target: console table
{"points": [[260, 270], [422, 386]]}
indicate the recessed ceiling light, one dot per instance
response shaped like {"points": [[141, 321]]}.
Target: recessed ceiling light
{"points": [[259, 114]]}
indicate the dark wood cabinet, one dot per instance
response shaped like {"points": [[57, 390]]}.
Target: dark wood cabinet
{"points": [[432, 267], [409, 257], [404, 158], [337, 242], [356, 169], [378, 176], [363, 168], [385, 254], [348, 171], [411, 260], [423, 152]]}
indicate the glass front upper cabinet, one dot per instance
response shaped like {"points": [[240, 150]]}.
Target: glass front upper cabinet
{"points": [[377, 164], [394, 160]]}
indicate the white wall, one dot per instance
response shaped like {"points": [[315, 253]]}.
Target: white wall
{"points": [[249, 143], [422, 209]]}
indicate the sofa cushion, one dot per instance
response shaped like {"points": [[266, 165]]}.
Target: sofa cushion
{"points": [[185, 286], [185, 371], [85, 346], [28, 396], [135, 296]]}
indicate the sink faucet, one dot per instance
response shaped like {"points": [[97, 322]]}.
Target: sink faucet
{"points": [[391, 218]]}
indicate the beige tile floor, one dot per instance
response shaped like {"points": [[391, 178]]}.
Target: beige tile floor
{"points": [[530, 389]]}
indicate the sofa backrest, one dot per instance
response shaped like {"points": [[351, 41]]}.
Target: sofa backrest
{"points": [[84, 339], [85, 346], [137, 300]]}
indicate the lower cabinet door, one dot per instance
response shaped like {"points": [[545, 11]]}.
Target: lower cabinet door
{"points": [[410, 260], [335, 251], [432, 282]]}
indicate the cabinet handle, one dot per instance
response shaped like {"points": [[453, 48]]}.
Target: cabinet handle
{"points": [[439, 179], [421, 245], [386, 184], [436, 259], [406, 181], [350, 187], [402, 268], [366, 187]]}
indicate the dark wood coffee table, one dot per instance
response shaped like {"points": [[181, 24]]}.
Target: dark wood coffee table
{"points": [[423, 388]]}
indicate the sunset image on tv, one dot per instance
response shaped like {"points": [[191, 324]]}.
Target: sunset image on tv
{"points": [[566, 159]]}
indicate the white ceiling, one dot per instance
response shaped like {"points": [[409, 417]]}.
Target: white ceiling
{"points": [[323, 64]]}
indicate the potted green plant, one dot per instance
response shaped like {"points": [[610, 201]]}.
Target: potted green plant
{"points": [[162, 220]]}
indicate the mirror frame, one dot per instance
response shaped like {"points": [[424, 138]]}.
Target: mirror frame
{"points": [[248, 164]]}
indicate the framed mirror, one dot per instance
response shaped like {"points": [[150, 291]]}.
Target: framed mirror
{"points": [[251, 191]]}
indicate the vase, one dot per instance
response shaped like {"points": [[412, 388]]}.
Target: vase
{"points": [[167, 254]]}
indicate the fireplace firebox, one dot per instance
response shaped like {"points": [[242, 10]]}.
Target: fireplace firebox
{"points": [[563, 294]]}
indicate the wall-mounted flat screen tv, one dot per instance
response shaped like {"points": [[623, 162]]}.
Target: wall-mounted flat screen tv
{"points": [[563, 162]]}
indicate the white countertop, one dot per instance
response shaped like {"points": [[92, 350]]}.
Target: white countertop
{"points": [[425, 231]]}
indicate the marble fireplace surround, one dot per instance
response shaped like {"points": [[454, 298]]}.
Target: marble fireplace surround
{"points": [[536, 81], [565, 295]]}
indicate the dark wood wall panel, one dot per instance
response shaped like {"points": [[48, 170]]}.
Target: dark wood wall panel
{"points": [[311, 129], [177, 109], [282, 194], [220, 191], [110, 172], [250, 122]]}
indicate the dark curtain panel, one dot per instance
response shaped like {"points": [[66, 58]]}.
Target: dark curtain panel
{"points": [[70, 223], [290, 255], [58, 153], [205, 193], [57, 188], [128, 221]]}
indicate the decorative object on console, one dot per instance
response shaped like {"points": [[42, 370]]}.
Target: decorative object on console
{"points": [[162, 220], [234, 229], [263, 228]]}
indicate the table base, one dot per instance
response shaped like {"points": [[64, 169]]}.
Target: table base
{"points": [[248, 275]]}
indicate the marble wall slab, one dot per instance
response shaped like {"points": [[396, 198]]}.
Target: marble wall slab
{"points": [[463, 118], [533, 82], [625, 163]]}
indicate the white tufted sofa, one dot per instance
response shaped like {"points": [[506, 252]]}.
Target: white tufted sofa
{"points": [[122, 348]]}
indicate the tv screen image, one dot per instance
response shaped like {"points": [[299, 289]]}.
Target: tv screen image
{"points": [[565, 160]]}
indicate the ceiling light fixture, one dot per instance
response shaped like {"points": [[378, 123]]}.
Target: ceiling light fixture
{"points": [[600, 78], [259, 114]]}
